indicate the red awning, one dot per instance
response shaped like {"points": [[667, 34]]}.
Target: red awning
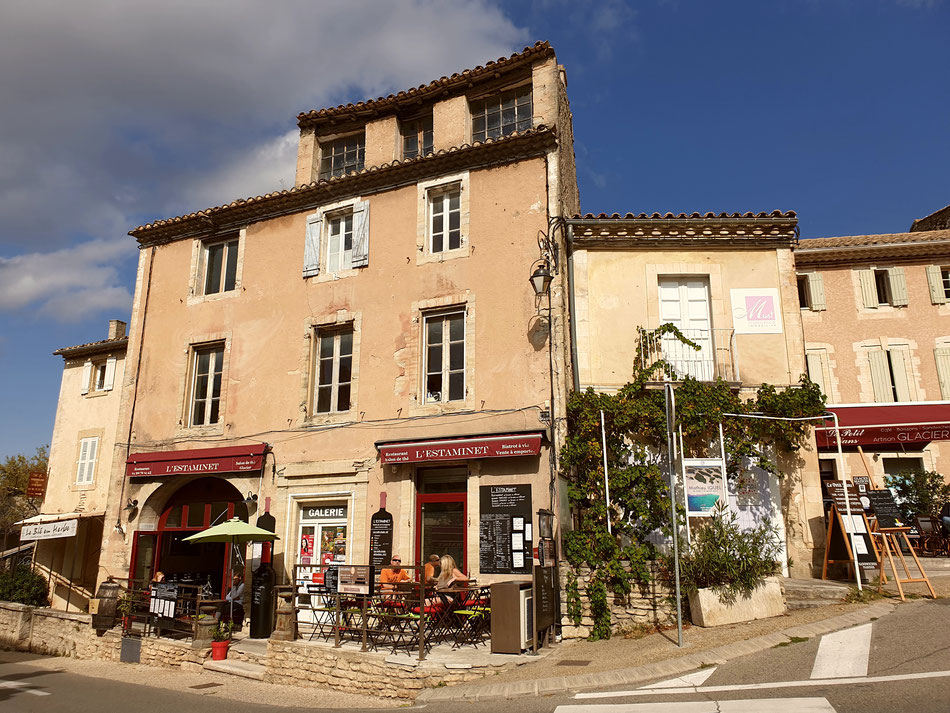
{"points": [[520, 444], [886, 425], [233, 459]]}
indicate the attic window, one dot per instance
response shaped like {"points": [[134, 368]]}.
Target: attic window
{"points": [[502, 114], [342, 156]]}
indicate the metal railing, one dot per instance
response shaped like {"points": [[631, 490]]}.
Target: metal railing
{"points": [[716, 356]]}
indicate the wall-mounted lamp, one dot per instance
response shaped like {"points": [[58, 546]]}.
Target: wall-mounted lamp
{"points": [[541, 279], [251, 499], [131, 508]]}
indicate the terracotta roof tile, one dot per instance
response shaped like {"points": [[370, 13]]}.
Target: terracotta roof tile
{"points": [[684, 216], [882, 240], [300, 194], [102, 345], [393, 101]]}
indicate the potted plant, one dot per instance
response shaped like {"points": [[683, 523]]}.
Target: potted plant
{"points": [[124, 608], [727, 572], [220, 640]]}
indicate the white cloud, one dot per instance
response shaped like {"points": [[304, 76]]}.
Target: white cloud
{"points": [[114, 100], [68, 284]]}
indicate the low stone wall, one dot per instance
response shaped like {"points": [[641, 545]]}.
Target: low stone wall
{"points": [[650, 605], [57, 633], [15, 622], [301, 663]]}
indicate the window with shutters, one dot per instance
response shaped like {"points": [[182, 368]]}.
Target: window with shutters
{"points": [[416, 136], [337, 239], [98, 376], [891, 379], [88, 452], [333, 369], [219, 266], [444, 361], [207, 370], [342, 156], [811, 291], [942, 359], [938, 278], [501, 114], [883, 287], [816, 361]]}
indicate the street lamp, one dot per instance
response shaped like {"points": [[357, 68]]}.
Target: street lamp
{"points": [[541, 279]]}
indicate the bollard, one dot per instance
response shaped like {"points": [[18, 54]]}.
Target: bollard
{"points": [[205, 623]]}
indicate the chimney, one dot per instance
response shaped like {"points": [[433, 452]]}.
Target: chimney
{"points": [[116, 329]]}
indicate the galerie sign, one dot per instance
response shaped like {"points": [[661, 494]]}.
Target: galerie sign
{"points": [[49, 530], [756, 311]]}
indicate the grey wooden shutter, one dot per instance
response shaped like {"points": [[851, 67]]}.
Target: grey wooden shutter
{"points": [[880, 376], [898, 286], [110, 374], [311, 248], [899, 367], [942, 358], [816, 292], [81, 469], [868, 288], [86, 376], [813, 361], [361, 234], [938, 295]]}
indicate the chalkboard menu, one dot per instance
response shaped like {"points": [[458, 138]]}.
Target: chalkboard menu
{"points": [[380, 538], [545, 596], [836, 490], [331, 578], [885, 508], [162, 603], [504, 529]]}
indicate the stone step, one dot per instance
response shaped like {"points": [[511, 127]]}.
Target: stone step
{"points": [[814, 589], [251, 650], [807, 603], [243, 669]]}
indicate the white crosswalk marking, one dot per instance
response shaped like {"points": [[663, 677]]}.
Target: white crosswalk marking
{"points": [[843, 654], [691, 679], [761, 705], [25, 687]]}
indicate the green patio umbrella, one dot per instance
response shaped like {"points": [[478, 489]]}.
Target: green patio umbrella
{"points": [[235, 531]]}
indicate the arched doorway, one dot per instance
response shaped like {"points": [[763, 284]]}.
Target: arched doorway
{"points": [[193, 508]]}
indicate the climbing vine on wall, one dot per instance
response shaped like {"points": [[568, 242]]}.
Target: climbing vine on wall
{"points": [[635, 426]]}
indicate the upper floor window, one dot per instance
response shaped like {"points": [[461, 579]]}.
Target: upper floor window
{"points": [[445, 224], [938, 278], [883, 287], [890, 378], [334, 370], [88, 450], [416, 137], [220, 263], [811, 291], [340, 242], [445, 357], [98, 375], [339, 157], [502, 114], [207, 370]]}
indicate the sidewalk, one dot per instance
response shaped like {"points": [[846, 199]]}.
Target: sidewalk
{"points": [[585, 665]]}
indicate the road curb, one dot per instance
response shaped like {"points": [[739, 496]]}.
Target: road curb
{"points": [[660, 669]]}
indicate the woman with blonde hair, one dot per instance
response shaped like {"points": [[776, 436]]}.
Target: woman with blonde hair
{"points": [[450, 574]]}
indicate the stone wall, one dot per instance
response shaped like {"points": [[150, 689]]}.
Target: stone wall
{"points": [[57, 633], [650, 605], [315, 665], [15, 626]]}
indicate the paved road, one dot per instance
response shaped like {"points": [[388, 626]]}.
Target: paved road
{"points": [[898, 663]]}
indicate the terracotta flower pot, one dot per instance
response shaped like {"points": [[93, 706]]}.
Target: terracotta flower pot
{"points": [[219, 650]]}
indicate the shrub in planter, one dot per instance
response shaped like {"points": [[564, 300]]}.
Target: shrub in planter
{"points": [[21, 584], [731, 562]]}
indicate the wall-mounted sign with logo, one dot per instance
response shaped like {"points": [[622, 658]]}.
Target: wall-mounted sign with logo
{"points": [[756, 311], [49, 530]]}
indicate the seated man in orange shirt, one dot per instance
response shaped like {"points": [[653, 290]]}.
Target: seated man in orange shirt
{"points": [[391, 576]]}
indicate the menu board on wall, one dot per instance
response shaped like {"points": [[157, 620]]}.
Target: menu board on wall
{"points": [[380, 538], [504, 529]]}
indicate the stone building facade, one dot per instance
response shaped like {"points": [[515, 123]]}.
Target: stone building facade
{"points": [[363, 344]]}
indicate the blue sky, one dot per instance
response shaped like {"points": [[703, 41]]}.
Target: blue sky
{"points": [[116, 114]]}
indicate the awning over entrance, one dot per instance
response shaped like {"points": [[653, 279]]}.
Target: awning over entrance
{"points": [[233, 459], [51, 526], [884, 426], [445, 449]]}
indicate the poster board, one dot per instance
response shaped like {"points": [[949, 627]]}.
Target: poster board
{"points": [[705, 483], [355, 579], [505, 533], [841, 526], [380, 538], [162, 603]]}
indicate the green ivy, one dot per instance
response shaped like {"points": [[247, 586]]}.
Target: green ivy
{"points": [[635, 425], [574, 611]]}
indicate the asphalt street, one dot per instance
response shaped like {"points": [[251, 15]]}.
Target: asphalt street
{"points": [[898, 663]]}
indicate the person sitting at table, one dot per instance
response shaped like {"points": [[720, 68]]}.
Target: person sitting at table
{"points": [[430, 569], [391, 576], [450, 576], [232, 608]]}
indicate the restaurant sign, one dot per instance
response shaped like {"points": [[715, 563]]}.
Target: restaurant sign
{"points": [[886, 425], [235, 459], [461, 448], [49, 530]]}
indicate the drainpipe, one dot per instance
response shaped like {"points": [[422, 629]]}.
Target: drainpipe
{"points": [[572, 311]]}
